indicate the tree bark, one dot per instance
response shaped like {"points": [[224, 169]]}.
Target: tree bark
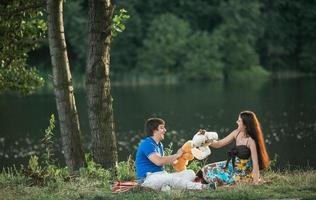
{"points": [[99, 98], [63, 88]]}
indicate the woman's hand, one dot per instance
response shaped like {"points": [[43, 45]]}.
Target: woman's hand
{"points": [[208, 143]]}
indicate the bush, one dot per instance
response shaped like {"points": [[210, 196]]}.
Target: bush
{"points": [[253, 73], [126, 170], [161, 54], [94, 170], [44, 170], [195, 165], [202, 61]]}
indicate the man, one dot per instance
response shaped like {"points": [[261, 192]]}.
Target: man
{"points": [[150, 160]]}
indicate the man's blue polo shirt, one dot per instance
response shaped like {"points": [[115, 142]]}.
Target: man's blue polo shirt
{"points": [[143, 165]]}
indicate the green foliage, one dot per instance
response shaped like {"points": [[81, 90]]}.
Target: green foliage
{"points": [[76, 29], [167, 152], [35, 172], [194, 56], [22, 30], [12, 176], [289, 41], [19, 79], [94, 170], [34, 165], [255, 72], [76, 32], [203, 61], [48, 141], [42, 172], [195, 165], [118, 25], [126, 170], [278, 35], [238, 33], [164, 45]]}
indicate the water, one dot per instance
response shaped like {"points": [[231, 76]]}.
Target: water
{"points": [[285, 108]]}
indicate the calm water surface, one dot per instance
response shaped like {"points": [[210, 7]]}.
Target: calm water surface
{"points": [[286, 109]]}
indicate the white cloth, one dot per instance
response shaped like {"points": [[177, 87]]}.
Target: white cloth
{"points": [[178, 180]]}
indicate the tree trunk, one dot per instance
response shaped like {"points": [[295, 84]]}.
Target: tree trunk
{"points": [[63, 88], [99, 98]]}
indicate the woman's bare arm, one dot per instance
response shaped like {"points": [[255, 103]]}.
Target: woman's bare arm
{"points": [[228, 139], [255, 163]]}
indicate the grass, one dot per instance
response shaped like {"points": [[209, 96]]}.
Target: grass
{"points": [[298, 184]]}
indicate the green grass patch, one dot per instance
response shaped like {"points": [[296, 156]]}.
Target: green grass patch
{"points": [[299, 184]]}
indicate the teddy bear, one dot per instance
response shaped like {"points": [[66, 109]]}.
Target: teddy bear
{"points": [[181, 162], [195, 149]]}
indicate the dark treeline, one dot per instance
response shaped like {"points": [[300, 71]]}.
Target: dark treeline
{"points": [[200, 40]]}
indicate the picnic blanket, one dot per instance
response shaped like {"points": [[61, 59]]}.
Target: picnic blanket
{"points": [[123, 186]]}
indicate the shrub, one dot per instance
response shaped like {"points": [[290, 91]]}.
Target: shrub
{"points": [[94, 170], [126, 170]]}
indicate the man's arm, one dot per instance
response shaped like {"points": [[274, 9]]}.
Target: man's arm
{"points": [[162, 160]]}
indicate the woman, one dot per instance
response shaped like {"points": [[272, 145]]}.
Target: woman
{"points": [[245, 159]]}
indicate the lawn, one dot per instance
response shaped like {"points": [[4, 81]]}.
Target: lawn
{"points": [[294, 184]]}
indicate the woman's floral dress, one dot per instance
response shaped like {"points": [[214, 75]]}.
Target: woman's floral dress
{"points": [[216, 172]]}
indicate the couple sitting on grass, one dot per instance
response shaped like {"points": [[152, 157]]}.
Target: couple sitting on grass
{"points": [[244, 161]]}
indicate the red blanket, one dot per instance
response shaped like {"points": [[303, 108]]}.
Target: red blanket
{"points": [[123, 186]]}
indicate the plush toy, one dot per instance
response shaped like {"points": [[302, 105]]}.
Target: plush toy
{"points": [[201, 142], [195, 148], [181, 163]]}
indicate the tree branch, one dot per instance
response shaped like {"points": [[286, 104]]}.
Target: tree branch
{"points": [[20, 9]]}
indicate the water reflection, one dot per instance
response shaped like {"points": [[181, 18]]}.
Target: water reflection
{"points": [[285, 108]]}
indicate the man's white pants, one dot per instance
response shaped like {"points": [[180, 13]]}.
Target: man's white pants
{"points": [[177, 180]]}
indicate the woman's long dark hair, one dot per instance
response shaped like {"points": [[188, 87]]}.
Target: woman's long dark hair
{"points": [[253, 129]]}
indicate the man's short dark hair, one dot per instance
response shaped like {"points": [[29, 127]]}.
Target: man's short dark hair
{"points": [[152, 124]]}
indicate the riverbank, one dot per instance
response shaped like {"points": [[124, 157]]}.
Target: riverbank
{"points": [[300, 184], [258, 74]]}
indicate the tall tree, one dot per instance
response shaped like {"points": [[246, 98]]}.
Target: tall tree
{"points": [[99, 98], [63, 88]]}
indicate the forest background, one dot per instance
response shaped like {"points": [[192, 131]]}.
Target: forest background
{"points": [[198, 40]]}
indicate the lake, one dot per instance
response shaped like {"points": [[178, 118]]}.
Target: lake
{"points": [[286, 109]]}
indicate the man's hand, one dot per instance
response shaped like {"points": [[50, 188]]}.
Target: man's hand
{"points": [[179, 152]]}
